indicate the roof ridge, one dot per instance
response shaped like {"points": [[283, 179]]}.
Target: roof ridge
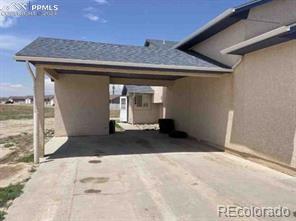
{"points": [[154, 39], [96, 42]]}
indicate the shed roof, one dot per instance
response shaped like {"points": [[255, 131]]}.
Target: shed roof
{"points": [[17, 98], [134, 89]]}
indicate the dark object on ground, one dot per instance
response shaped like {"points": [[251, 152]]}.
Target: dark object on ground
{"points": [[166, 125], [9, 102], [112, 126], [178, 134]]}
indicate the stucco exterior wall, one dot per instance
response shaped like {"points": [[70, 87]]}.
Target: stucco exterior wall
{"points": [[253, 110], [144, 115], [261, 19], [200, 106], [270, 16], [130, 109], [224, 39], [265, 103], [158, 94], [82, 105]]}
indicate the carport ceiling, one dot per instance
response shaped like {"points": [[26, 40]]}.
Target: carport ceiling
{"points": [[120, 75]]}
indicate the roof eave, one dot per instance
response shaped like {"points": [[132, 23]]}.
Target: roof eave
{"points": [[276, 36], [207, 26], [221, 22], [121, 64]]}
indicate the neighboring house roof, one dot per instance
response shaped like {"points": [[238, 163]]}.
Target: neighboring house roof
{"points": [[3, 98], [160, 43], [221, 22], [134, 89], [17, 98], [86, 52], [276, 36]]}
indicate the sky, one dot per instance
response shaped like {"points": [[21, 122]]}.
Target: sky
{"points": [[111, 21]]}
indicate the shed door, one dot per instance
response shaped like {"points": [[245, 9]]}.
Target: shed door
{"points": [[123, 109]]}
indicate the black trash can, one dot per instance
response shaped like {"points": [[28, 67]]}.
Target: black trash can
{"points": [[166, 125], [112, 126]]}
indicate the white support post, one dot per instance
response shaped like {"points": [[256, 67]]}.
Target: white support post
{"points": [[39, 97], [35, 129], [38, 109]]}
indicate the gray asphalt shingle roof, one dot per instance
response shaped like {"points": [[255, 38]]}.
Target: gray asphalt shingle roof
{"points": [[128, 89], [86, 50]]}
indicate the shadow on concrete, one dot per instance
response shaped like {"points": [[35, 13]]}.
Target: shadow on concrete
{"points": [[125, 143]]}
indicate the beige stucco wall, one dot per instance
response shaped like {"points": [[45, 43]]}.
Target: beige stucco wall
{"points": [[82, 105], [144, 115], [270, 16], [265, 103], [254, 110], [130, 109], [224, 39], [260, 20], [200, 106], [158, 94]]}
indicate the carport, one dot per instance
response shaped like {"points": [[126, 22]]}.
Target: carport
{"points": [[83, 70]]}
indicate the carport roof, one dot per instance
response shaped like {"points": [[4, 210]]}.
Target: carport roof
{"points": [[87, 52]]}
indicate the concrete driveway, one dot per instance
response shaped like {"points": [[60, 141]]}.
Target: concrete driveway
{"points": [[146, 176]]}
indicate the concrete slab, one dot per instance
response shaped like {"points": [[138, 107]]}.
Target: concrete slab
{"points": [[143, 175]]}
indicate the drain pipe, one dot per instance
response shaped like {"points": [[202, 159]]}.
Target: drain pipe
{"points": [[35, 116]]}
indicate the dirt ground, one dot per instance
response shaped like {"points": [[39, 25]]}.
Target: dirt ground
{"points": [[15, 127], [16, 149], [21, 111]]}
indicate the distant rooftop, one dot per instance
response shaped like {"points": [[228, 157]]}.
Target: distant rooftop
{"points": [[134, 89]]}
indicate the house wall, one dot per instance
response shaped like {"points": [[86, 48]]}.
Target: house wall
{"points": [[253, 110], [158, 94], [144, 116], [270, 16], [200, 106], [224, 39], [82, 105], [28, 101], [130, 109], [265, 103], [261, 19]]}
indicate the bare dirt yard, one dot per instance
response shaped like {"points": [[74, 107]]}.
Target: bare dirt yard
{"points": [[16, 149]]}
